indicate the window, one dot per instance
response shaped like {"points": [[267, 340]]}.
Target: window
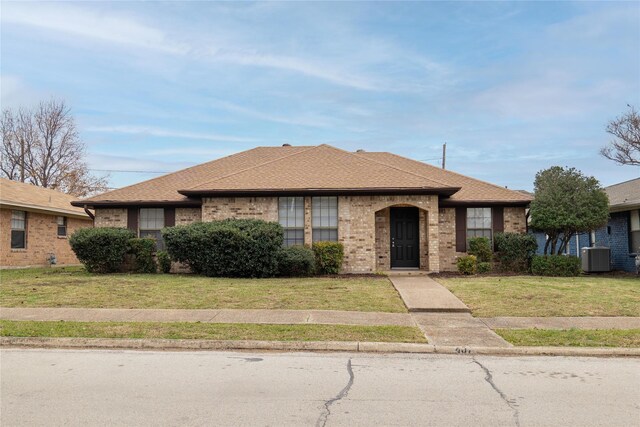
{"points": [[18, 229], [479, 223], [324, 218], [634, 231], [151, 222], [62, 226], [291, 217]]}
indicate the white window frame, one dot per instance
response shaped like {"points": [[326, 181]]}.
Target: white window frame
{"points": [[23, 227], [324, 218], [145, 229], [477, 218], [291, 218]]}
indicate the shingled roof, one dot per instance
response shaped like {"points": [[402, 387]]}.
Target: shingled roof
{"points": [[624, 196], [321, 169], [14, 194]]}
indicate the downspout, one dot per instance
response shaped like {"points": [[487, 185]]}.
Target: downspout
{"points": [[578, 254], [88, 212]]}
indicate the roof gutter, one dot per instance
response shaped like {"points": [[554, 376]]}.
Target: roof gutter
{"points": [[88, 212]]}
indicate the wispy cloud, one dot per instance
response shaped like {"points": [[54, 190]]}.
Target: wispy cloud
{"points": [[83, 22], [311, 120], [168, 133]]}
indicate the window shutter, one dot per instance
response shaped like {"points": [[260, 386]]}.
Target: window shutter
{"points": [[132, 220], [498, 220], [461, 229], [169, 217]]}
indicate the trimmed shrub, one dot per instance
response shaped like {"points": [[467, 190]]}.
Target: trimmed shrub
{"points": [[329, 257], [481, 248], [142, 250], [296, 261], [101, 249], [467, 264], [164, 261], [484, 267], [515, 251], [555, 265], [227, 248]]}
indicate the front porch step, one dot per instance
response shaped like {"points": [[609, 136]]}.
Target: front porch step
{"points": [[406, 272]]}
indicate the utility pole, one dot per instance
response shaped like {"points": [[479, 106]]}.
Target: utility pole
{"points": [[444, 155]]}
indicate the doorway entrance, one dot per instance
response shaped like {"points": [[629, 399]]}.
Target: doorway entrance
{"points": [[405, 238]]}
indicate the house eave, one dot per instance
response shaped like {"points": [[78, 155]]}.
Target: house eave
{"points": [[132, 203], [487, 203], [444, 191]]}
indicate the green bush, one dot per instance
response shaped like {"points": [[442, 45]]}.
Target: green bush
{"points": [[481, 248], [164, 261], [514, 251], [329, 257], [296, 261], [227, 248], [101, 249], [555, 265], [467, 264], [142, 250], [484, 267]]}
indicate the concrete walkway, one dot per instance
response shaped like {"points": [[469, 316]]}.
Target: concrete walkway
{"points": [[323, 317], [457, 329], [562, 322], [422, 294]]}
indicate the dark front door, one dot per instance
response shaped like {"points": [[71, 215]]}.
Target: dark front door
{"points": [[404, 237]]}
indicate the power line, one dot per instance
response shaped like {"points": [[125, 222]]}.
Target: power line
{"points": [[426, 160]]}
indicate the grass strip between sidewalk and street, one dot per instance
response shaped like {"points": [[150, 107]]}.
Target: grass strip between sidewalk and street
{"points": [[572, 337], [74, 287], [211, 331], [531, 296]]}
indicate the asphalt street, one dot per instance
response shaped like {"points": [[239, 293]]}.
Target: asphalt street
{"points": [[98, 387]]}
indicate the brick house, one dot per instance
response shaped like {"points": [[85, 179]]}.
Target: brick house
{"points": [[388, 211], [35, 223], [622, 232]]}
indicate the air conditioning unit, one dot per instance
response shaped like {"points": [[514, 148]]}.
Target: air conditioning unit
{"points": [[596, 259]]}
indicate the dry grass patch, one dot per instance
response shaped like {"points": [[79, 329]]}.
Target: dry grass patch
{"points": [[530, 296], [572, 337], [74, 287], [211, 331]]}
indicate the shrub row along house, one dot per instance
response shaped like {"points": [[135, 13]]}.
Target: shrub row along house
{"points": [[35, 223], [388, 211]]}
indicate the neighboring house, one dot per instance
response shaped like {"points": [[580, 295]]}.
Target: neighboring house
{"points": [[35, 224], [622, 232], [388, 211]]}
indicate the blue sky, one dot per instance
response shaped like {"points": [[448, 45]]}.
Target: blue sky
{"points": [[511, 87]]}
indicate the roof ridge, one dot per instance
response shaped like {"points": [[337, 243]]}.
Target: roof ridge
{"points": [[452, 172], [623, 182], [252, 167], [397, 168]]}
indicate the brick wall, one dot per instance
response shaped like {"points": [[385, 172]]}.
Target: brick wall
{"points": [[110, 218], [515, 220], [362, 221], [447, 241], [186, 216], [42, 239], [217, 208]]}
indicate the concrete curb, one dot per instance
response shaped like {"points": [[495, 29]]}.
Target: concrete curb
{"points": [[347, 346]]}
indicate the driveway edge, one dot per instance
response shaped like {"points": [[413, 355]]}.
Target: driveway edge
{"points": [[347, 346]]}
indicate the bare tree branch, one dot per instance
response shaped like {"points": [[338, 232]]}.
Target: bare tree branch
{"points": [[625, 149], [42, 146]]}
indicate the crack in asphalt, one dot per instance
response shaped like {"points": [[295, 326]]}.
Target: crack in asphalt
{"points": [[324, 416], [489, 378]]}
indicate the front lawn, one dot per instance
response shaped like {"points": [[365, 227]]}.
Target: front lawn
{"points": [[530, 296], [572, 337], [74, 287], [212, 331]]}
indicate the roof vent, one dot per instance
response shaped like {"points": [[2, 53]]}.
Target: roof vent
{"points": [[286, 145], [359, 150]]}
